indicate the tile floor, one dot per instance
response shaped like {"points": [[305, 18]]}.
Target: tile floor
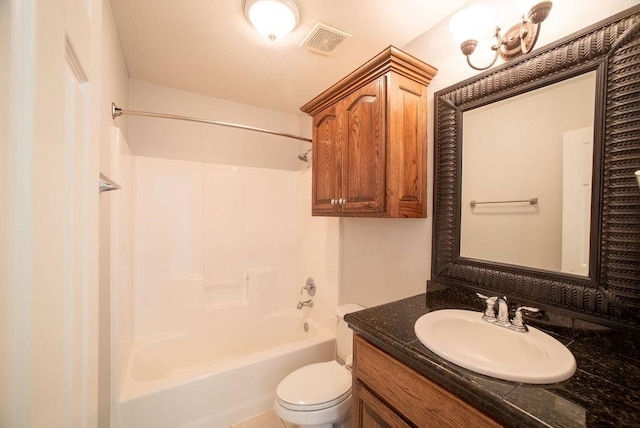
{"points": [[263, 420]]}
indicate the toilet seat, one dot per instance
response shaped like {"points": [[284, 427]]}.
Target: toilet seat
{"points": [[315, 387]]}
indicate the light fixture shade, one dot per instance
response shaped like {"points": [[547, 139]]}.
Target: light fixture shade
{"points": [[526, 5], [273, 19], [475, 22]]}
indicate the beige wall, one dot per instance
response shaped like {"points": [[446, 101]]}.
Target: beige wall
{"points": [[115, 85], [114, 88], [385, 260], [174, 139]]}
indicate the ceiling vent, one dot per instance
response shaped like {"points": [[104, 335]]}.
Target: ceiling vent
{"points": [[323, 39]]}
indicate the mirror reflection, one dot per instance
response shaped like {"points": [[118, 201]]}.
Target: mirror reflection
{"points": [[526, 178]]}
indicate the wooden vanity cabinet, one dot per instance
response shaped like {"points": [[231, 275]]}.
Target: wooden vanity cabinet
{"points": [[370, 140], [387, 393]]}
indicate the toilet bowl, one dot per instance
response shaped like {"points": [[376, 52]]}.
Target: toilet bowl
{"points": [[319, 395]]}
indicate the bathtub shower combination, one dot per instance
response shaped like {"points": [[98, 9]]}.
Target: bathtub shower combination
{"points": [[213, 380], [208, 327]]}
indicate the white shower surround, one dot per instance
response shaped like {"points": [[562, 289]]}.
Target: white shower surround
{"points": [[208, 236]]}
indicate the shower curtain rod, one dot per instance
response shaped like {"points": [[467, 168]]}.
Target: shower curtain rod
{"points": [[117, 111]]}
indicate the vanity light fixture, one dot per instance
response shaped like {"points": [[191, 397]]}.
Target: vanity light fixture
{"points": [[467, 28], [273, 19]]}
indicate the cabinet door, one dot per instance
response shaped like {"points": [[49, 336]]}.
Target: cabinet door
{"points": [[364, 149], [407, 148], [326, 161], [370, 412]]}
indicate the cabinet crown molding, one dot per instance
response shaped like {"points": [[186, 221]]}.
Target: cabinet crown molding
{"points": [[390, 59]]}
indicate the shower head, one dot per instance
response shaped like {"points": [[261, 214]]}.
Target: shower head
{"points": [[304, 157]]}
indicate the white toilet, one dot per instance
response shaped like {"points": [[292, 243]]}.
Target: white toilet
{"points": [[319, 395]]}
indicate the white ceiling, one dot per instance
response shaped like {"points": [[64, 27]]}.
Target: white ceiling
{"points": [[209, 47]]}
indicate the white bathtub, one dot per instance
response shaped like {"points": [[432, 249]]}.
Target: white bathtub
{"points": [[215, 379]]}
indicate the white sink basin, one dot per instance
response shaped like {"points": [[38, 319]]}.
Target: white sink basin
{"points": [[465, 339]]}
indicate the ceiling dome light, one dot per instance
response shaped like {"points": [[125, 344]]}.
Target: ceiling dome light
{"points": [[273, 19]]}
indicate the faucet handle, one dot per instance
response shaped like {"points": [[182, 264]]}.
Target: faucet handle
{"points": [[310, 286], [489, 312], [517, 319]]}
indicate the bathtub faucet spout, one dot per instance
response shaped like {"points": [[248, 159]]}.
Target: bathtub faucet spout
{"points": [[308, 303]]}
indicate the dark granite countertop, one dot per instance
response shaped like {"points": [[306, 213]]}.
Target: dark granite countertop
{"points": [[604, 391]]}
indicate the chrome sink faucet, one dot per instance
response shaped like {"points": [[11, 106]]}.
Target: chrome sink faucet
{"points": [[515, 324], [503, 311]]}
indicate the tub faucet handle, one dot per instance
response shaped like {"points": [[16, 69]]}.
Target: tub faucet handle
{"points": [[310, 286]]}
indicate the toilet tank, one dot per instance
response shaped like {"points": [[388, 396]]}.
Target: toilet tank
{"points": [[344, 335]]}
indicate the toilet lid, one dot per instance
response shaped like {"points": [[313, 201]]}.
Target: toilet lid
{"points": [[316, 386]]}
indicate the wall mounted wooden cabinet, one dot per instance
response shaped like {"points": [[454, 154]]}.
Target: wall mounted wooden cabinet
{"points": [[369, 154]]}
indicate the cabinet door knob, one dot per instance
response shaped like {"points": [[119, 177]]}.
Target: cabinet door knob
{"points": [[344, 201], [340, 201], [333, 201]]}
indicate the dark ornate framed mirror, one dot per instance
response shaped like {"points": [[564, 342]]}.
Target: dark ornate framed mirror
{"points": [[486, 226]]}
